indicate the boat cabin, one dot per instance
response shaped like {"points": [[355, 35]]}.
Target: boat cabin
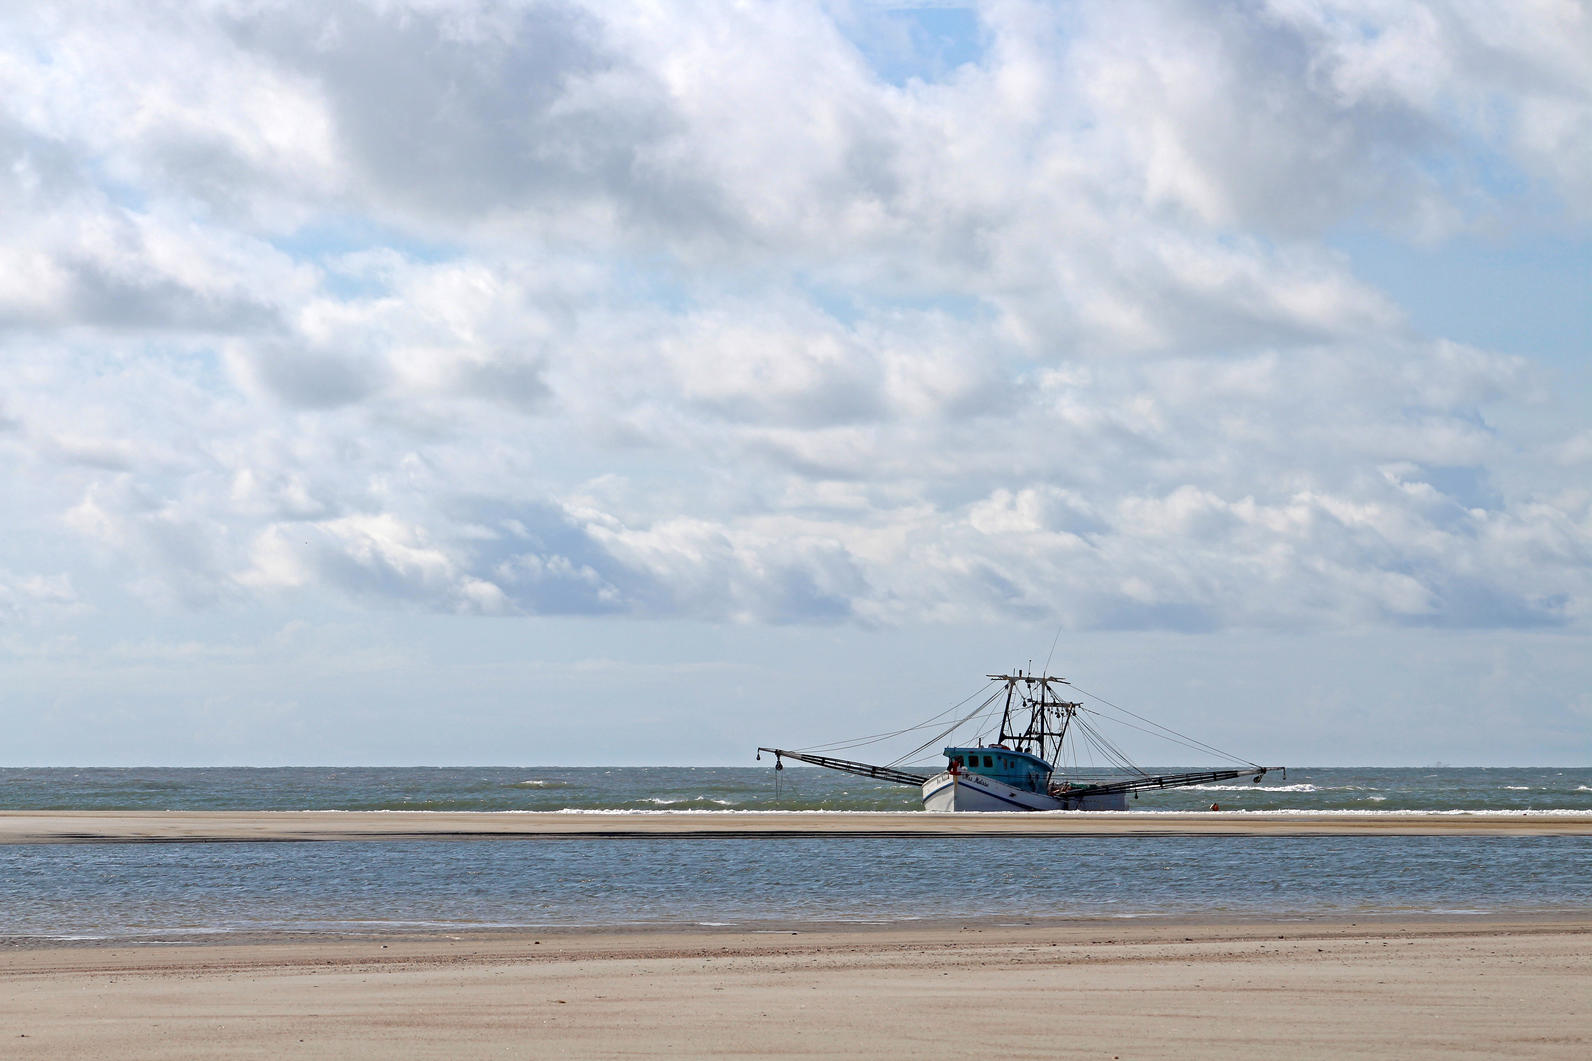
{"points": [[1018, 769]]}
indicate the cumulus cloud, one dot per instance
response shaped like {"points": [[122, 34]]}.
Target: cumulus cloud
{"points": [[25, 598], [564, 308]]}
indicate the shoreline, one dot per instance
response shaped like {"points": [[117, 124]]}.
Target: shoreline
{"points": [[670, 937], [78, 826], [1409, 986]]}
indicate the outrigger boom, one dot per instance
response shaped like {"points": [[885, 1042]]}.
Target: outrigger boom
{"points": [[879, 773], [1144, 784], [1136, 784]]}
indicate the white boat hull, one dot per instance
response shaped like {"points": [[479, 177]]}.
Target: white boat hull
{"points": [[973, 792]]}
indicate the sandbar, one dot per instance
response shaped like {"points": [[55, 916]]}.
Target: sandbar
{"points": [[21, 827], [1369, 987]]}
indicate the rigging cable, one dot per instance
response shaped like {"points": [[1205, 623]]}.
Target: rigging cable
{"points": [[857, 742], [1091, 736], [1184, 739], [1190, 744], [1108, 750], [958, 724]]}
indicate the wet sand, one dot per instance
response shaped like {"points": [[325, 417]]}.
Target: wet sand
{"points": [[1378, 987], [19, 827]]}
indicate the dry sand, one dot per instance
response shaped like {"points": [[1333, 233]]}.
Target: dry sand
{"points": [[18, 827], [1381, 988]]}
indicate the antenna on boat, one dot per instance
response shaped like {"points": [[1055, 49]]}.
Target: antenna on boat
{"points": [[1052, 651]]}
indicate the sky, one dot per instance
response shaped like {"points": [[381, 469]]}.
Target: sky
{"points": [[475, 382]]}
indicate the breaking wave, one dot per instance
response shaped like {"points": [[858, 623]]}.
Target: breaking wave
{"points": [[1257, 788]]}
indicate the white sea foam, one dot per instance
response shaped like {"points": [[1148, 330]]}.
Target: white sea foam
{"points": [[1523, 812], [661, 802], [1256, 788], [622, 811]]}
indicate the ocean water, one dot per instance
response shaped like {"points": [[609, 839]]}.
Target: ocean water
{"points": [[540, 788], [193, 891], [181, 892]]}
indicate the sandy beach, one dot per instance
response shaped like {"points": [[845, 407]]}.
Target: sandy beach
{"points": [[19, 827], [1373, 984], [1378, 987]]}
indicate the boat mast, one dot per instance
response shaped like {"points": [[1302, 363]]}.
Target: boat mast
{"points": [[1037, 738]]}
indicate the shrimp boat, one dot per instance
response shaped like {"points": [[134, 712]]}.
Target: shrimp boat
{"points": [[1023, 769]]}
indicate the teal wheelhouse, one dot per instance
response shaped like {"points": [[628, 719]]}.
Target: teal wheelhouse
{"points": [[1018, 769]]}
